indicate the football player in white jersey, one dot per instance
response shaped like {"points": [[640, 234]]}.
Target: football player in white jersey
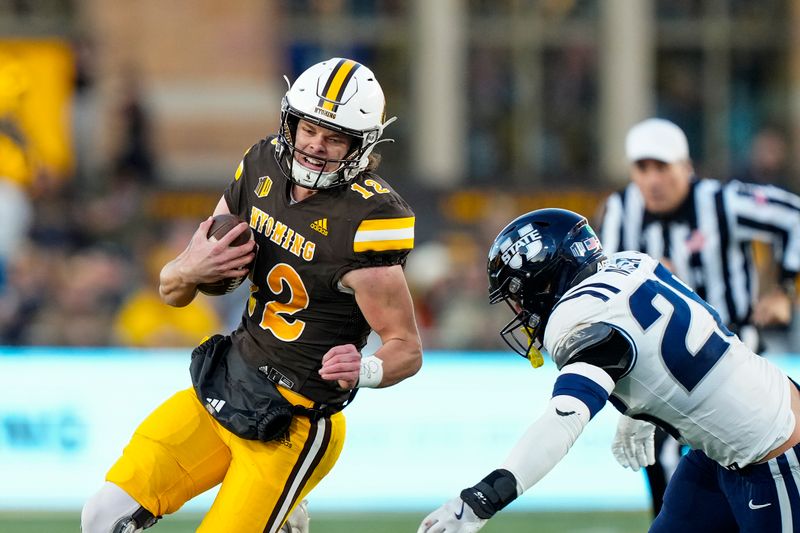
{"points": [[623, 329]]}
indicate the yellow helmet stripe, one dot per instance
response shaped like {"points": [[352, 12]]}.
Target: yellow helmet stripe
{"points": [[337, 81]]}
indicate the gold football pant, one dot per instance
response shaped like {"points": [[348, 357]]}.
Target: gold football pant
{"points": [[180, 451]]}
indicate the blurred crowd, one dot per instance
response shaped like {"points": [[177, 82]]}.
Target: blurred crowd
{"points": [[86, 274], [80, 254], [81, 263], [80, 251], [85, 270]]}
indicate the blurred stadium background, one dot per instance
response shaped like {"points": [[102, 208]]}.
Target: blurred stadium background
{"points": [[122, 122]]}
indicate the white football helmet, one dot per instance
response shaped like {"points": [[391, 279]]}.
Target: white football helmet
{"points": [[341, 95]]}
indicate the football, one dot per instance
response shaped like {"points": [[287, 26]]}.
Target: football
{"points": [[221, 225]]}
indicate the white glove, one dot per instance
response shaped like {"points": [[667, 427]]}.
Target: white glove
{"points": [[298, 520], [454, 516], [634, 443]]}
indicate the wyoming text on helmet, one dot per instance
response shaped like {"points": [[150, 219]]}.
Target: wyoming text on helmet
{"points": [[534, 260], [341, 95]]}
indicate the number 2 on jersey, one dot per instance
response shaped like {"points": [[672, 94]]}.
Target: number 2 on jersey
{"points": [[687, 368], [275, 314]]}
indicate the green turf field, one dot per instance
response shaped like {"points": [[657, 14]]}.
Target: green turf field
{"points": [[550, 522]]}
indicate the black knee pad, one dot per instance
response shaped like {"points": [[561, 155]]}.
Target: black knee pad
{"points": [[140, 519]]}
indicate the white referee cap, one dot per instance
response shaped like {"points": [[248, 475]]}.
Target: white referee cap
{"points": [[656, 138]]}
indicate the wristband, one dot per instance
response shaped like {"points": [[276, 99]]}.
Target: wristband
{"points": [[494, 492], [371, 373]]}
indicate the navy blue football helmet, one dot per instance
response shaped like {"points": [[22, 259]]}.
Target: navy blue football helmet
{"points": [[534, 260]]}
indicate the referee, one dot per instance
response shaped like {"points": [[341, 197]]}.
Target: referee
{"points": [[702, 230]]}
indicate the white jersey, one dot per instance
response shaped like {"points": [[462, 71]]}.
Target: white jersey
{"points": [[688, 373]]}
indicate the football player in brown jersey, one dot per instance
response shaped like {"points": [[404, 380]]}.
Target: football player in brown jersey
{"points": [[326, 267]]}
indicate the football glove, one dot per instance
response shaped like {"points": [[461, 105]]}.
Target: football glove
{"points": [[298, 520], [455, 516], [634, 443]]}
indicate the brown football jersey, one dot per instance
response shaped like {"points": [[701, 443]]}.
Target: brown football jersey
{"points": [[297, 309]]}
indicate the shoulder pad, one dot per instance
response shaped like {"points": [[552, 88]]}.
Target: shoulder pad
{"points": [[597, 344], [579, 339], [572, 314]]}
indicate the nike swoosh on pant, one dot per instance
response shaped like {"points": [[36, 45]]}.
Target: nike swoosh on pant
{"points": [[757, 505], [461, 513]]}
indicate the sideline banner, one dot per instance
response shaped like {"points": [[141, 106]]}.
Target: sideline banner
{"points": [[66, 414], [37, 78]]}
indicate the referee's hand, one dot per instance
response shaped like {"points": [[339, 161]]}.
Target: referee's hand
{"points": [[773, 309]]}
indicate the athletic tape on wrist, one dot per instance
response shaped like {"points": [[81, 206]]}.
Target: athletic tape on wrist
{"points": [[371, 373]]}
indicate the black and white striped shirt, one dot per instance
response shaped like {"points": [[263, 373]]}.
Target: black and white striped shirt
{"points": [[708, 239]]}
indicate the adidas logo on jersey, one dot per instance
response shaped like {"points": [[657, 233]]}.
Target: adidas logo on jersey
{"points": [[216, 405], [321, 226], [285, 439]]}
